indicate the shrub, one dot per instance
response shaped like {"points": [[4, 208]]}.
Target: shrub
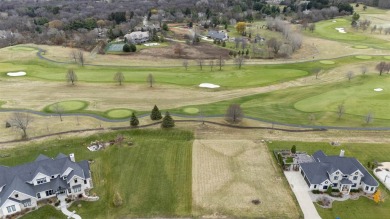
{"points": [[57, 203], [133, 48], [316, 192], [134, 120], [156, 114], [117, 200], [126, 48], [167, 122]]}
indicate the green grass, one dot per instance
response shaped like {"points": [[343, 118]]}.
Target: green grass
{"points": [[119, 113], [387, 57], [327, 62], [364, 57], [45, 212], [153, 176], [363, 207], [67, 106], [360, 47], [191, 110], [326, 29], [295, 105]]}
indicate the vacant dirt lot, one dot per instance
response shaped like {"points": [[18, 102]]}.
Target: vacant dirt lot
{"points": [[229, 174]]}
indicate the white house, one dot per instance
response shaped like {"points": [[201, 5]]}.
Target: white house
{"points": [[218, 35], [137, 37], [23, 186], [339, 172]]}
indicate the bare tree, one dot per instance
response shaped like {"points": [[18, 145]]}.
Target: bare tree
{"points": [[234, 113], [211, 63], [81, 57], [381, 67], [185, 64], [71, 76], [363, 70], [21, 121], [73, 55], [200, 63], [312, 27], [369, 118], [58, 109], [340, 110], [239, 61], [221, 62], [274, 44], [380, 29], [119, 77], [350, 75], [178, 49], [316, 71], [150, 80]]}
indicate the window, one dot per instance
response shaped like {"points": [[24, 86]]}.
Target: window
{"points": [[336, 178], [372, 189], [16, 195], [356, 173], [334, 185], [345, 176], [354, 185], [315, 186], [355, 178], [75, 180], [325, 187], [11, 209], [52, 177], [85, 181], [367, 187], [337, 173], [77, 189], [27, 203], [49, 192], [38, 195], [41, 180]]}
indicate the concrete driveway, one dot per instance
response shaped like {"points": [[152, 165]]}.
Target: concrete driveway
{"points": [[301, 191]]}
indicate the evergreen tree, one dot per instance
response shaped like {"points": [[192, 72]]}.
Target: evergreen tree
{"points": [[167, 122], [156, 114], [133, 48], [224, 44], [293, 149], [134, 120], [126, 48]]}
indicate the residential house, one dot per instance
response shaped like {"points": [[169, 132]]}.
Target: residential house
{"points": [[218, 35], [137, 37], [339, 172], [21, 187]]}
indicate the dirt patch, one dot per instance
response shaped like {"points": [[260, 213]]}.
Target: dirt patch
{"points": [[229, 174]]}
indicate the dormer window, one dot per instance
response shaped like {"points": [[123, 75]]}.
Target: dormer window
{"points": [[52, 177], [16, 195], [41, 180], [337, 173], [75, 180], [356, 173]]}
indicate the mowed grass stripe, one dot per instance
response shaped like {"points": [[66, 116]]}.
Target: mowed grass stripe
{"points": [[153, 176]]}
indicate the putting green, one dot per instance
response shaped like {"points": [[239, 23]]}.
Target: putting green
{"points": [[357, 100], [69, 105], [191, 110], [363, 57], [360, 47], [387, 57], [327, 62], [119, 113], [22, 48]]}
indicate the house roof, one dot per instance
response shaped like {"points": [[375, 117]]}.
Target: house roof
{"points": [[346, 182], [18, 178], [216, 34], [325, 165]]}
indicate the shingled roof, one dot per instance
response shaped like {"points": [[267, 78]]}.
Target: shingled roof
{"points": [[18, 178]]}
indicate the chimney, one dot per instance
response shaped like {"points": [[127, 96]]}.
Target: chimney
{"points": [[71, 156], [342, 153]]}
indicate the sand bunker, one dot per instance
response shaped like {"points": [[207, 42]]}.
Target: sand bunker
{"points": [[208, 85], [383, 173], [378, 89], [152, 44], [340, 29], [16, 74]]}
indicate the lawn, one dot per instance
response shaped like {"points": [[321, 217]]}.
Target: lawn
{"points": [[362, 208], [153, 176], [45, 212], [326, 29], [295, 105]]}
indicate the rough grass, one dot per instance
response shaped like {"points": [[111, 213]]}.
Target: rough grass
{"points": [[229, 174], [153, 176], [360, 47], [363, 207], [119, 113]]}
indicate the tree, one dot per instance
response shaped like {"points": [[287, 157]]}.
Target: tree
{"points": [[155, 114], [178, 50], [293, 149], [239, 61], [57, 108], [221, 62], [167, 122], [150, 80], [165, 27], [350, 75], [312, 27], [363, 70], [117, 200], [329, 190], [381, 67], [119, 77], [274, 44], [126, 48], [78, 56], [71, 76], [185, 64], [21, 121], [134, 120], [240, 27], [369, 118], [200, 63], [377, 196], [234, 113], [340, 110], [211, 63], [355, 17]]}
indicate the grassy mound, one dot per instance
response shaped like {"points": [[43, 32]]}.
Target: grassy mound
{"points": [[327, 62], [191, 110], [360, 47], [67, 106], [363, 57], [119, 113]]}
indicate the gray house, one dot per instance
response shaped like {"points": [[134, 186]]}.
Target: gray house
{"points": [[137, 37], [339, 172], [22, 186], [218, 35]]}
